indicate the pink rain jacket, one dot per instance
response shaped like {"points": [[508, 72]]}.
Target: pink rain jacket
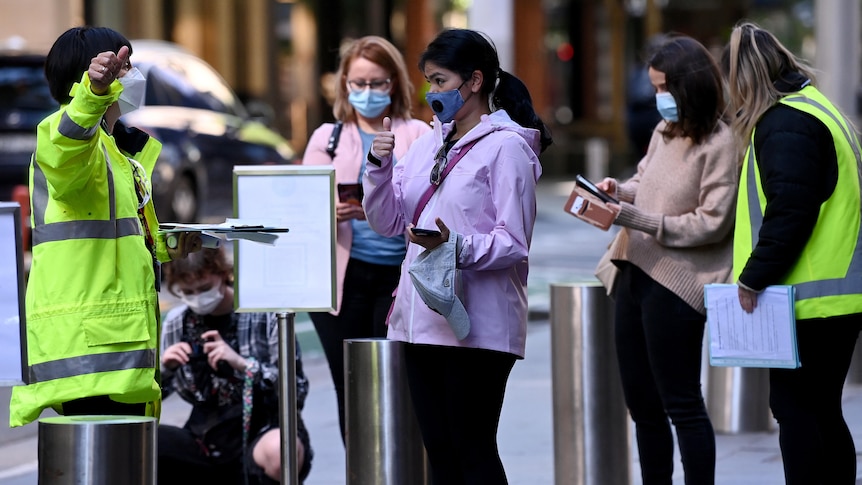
{"points": [[489, 198]]}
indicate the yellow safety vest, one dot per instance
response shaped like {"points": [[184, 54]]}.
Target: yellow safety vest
{"points": [[828, 274], [92, 314]]}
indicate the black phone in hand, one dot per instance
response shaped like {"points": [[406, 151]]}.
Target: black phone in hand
{"points": [[590, 187], [417, 231]]}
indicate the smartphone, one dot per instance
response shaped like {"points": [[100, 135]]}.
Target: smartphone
{"points": [[350, 193], [585, 184], [425, 232]]}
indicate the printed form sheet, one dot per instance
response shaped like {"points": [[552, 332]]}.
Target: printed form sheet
{"points": [[763, 338]]}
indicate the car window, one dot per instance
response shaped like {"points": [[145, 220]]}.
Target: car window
{"points": [[24, 91], [190, 83]]}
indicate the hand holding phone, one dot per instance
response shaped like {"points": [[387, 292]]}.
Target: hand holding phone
{"points": [[590, 187], [417, 231]]}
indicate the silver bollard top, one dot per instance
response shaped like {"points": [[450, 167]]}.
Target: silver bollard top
{"points": [[96, 419]]}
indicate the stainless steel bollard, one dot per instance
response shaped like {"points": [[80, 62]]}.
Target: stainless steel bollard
{"points": [[591, 424], [737, 399], [384, 444], [97, 450]]}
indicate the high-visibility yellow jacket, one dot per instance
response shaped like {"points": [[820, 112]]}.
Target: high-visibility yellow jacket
{"points": [[828, 273], [92, 316]]}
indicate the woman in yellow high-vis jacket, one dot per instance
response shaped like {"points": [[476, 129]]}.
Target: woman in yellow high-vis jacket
{"points": [[91, 305], [798, 223]]}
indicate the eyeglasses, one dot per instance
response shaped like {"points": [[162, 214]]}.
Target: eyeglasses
{"points": [[439, 164], [376, 85]]}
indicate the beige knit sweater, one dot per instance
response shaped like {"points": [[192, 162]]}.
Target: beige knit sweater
{"points": [[678, 213]]}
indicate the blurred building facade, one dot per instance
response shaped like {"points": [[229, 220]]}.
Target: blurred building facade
{"points": [[576, 56]]}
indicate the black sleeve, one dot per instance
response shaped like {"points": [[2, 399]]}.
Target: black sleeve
{"points": [[799, 171], [129, 139]]}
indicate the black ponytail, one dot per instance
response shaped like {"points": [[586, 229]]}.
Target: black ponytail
{"points": [[512, 95]]}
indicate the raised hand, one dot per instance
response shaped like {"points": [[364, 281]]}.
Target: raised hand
{"points": [[105, 68], [384, 142]]}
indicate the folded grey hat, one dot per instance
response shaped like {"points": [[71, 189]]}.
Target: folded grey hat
{"points": [[435, 278]]}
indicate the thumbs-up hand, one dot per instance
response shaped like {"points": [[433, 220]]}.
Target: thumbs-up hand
{"points": [[384, 142], [105, 68]]}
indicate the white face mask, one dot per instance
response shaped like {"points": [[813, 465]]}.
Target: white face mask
{"points": [[134, 89], [205, 302]]}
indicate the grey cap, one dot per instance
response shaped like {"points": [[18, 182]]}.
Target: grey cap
{"points": [[435, 278]]}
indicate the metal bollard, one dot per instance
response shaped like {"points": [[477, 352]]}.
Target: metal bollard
{"points": [[591, 425], [384, 445], [737, 399], [97, 450]]}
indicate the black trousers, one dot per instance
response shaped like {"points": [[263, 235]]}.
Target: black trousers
{"points": [[659, 342], [366, 299], [816, 444], [457, 394]]}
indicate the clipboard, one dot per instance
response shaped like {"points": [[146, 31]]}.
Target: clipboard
{"points": [[764, 338]]}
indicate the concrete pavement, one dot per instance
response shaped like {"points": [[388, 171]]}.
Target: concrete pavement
{"points": [[564, 250]]}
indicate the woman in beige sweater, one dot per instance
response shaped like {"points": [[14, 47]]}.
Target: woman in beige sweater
{"points": [[677, 217]]}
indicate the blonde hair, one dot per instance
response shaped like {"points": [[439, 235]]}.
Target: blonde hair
{"points": [[381, 52], [753, 60]]}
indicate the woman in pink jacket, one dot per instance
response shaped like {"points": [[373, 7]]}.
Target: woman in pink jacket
{"points": [[371, 83], [465, 318]]}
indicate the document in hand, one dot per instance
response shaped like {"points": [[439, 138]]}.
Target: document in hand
{"points": [[763, 338]]}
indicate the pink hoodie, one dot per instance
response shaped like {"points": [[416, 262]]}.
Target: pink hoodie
{"points": [[489, 198]]}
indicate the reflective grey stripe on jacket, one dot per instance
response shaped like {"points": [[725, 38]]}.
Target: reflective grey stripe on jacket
{"points": [[820, 288], [92, 363], [112, 228], [70, 129]]}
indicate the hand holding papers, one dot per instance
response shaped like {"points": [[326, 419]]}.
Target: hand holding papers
{"points": [[260, 231], [764, 338]]}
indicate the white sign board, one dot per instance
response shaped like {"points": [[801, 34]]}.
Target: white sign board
{"points": [[298, 272], [12, 321]]}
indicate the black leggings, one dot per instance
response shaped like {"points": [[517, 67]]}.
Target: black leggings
{"points": [[365, 303], [659, 340], [458, 393], [816, 445]]}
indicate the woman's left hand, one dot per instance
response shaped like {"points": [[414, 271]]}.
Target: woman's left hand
{"points": [[217, 349], [430, 242]]}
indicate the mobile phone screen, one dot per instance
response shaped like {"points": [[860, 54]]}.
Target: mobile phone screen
{"points": [[584, 183], [350, 193]]}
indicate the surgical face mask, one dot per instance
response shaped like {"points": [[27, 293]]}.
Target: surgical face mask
{"points": [[666, 106], [205, 302], [446, 104], [134, 88], [369, 103]]}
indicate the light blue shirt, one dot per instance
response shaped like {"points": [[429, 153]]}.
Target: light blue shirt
{"points": [[367, 245]]}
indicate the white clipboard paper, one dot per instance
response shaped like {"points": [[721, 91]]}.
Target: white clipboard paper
{"points": [[764, 338], [296, 273], [13, 326]]}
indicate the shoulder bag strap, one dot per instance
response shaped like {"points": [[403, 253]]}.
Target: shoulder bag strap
{"points": [[332, 144]]}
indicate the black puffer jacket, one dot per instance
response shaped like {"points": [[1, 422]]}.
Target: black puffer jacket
{"points": [[799, 171]]}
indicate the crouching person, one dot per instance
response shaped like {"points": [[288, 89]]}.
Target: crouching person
{"points": [[219, 360]]}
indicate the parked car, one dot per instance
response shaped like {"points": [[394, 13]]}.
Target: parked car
{"points": [[24, 101], [204, 128]]}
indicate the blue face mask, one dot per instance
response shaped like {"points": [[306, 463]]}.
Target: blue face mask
{"points": [[666, 106], [445, 104], [369, 103]]}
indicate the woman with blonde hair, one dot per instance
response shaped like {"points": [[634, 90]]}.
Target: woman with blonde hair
{"points": [[798, 223], [371, 83]]}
